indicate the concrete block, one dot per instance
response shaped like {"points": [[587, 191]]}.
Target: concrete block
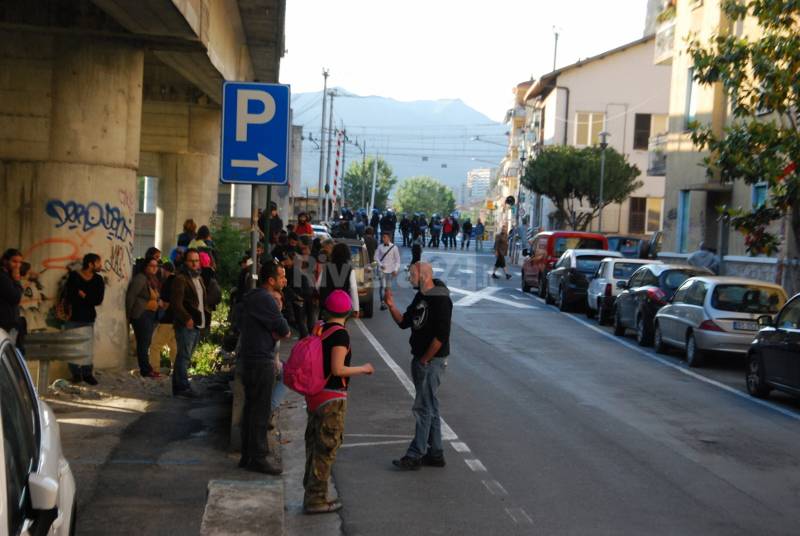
{"points": [[244, 508]]}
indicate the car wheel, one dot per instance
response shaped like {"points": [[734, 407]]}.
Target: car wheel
{"points": [[367, 308], [73, 518], [643, 334], [542, 288], [619, 329], [563, 305], [694, 355], [548, 298], [590, 313], [756, 383], [602, 315], [525, 286], [658, 340]]}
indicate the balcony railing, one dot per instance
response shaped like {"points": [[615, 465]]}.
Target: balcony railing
{"points": [[665, 43], [657, 156]]}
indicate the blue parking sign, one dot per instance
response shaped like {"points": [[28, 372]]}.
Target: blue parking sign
{"points": [[255, 133]]}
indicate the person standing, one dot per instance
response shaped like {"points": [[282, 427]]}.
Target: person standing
{"points": [[405, 230], [454, 233], [303, 227], [479, 231], [164, 334], [189, 233], [371, 243], [326, 410], [84, 291], [190, 315], [262, 325], [338, 273], [500, 252], [10, 292], [416, 247], [466, 234], [429, 317], [142, 302], [389, 264], [447, 230]]}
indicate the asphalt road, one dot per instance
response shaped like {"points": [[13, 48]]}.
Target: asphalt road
{"points": [[555, 426]]}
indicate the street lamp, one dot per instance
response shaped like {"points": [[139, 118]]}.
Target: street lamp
{"points": [[603, 145]]}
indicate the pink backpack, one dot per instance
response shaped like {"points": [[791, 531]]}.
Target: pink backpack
{"points": [[304, 372]]}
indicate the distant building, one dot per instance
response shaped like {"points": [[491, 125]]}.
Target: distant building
{"points": [[478, 181]]}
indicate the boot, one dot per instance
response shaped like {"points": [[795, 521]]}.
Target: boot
{"points": [[86, 374]]}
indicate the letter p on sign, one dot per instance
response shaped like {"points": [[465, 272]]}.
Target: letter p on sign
{"points": [[243, 115]]}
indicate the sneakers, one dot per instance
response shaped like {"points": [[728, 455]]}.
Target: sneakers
{"points": [[494, 276], [264, 466], [383, 307], [152, 374], [89, 378], [433, 461], [326, 507], [407, 463], [508, 276]]}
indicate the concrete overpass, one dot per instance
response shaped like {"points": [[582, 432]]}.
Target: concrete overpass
{"points": [[96, 93]]}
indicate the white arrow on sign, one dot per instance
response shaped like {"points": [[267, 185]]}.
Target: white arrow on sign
{"points": [[262, 165]]}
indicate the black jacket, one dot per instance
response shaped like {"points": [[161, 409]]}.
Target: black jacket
{"points": [[10, 295], [260, 319], [429, 317]]}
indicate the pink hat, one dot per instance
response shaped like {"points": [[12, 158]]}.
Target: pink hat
{"points": [[339, 303]]}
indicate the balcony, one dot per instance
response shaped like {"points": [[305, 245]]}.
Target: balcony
{"points": [[665, 43], [657, 156]]}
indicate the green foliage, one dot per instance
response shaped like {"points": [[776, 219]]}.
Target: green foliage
{"points": [[570, 177], [231, 245], [358, 183], [205, 360], [762, 142], [424, 194]]}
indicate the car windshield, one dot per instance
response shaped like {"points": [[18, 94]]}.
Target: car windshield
{"points": [[564, 243], [587, 264], [355, 253], [672, 279], [629, 247], [623, 270], [747, 299]]}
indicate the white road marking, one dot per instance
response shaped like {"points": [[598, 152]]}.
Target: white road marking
{"points": [[520, 516], [380, 435], [473, 297], [476, 465], [494, 487], [470, 272], [438, 270], [374, 443], [447, 433], [458, 446], [684, 370]]}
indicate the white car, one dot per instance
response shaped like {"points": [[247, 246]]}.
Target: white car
{"points": [[603, 289], [37, 489], [321, 231]]}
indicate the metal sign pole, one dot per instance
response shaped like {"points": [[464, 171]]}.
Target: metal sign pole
{"points": [[254, 236]]}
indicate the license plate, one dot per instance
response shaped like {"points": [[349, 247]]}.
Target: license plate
{"points": [[746, 326]]}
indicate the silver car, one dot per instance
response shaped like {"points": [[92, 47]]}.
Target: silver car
{"points": [[603, 289], [715, 314]]}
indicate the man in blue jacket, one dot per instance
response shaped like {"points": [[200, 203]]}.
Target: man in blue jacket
{"points": [[262, 325]]}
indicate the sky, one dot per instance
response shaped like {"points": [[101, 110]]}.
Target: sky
{"points": [[447, 49]]}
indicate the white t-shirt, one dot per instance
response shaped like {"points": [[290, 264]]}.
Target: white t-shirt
{"points": [[388, 258]]}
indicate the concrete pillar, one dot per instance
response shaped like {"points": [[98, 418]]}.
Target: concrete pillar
{"points": [[70, 114]]}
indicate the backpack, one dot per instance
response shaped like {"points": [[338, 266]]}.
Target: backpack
{"points": [[63, 309], [304, 372]]}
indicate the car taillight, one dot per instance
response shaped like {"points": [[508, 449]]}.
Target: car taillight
{"points": [[550, 264], [608, 290], [709, 325], [657, 295]]}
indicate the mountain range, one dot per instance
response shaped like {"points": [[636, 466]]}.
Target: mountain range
{"points": [[440, 138]]}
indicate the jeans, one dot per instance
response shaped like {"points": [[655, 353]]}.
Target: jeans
{"points": [[258, 377], [428, 430], [465, 242], [186, 340], [143, 328], [279, 391], [478, 244], [386, 281], [300, 318]]}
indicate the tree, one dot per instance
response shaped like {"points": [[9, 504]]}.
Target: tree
{"points": [[357, 183], [762, 142], [570, 177], [424, 194]]}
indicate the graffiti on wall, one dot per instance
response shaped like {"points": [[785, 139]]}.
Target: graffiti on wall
{"points": [[118, 261], [90, 216]]}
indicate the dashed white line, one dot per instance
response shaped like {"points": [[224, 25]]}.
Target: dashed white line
{"points": [[494, 487], [458, 446], [519, 516], [476, 465], [375, 443]]}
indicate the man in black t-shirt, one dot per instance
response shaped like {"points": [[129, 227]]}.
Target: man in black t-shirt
{"points": [[428, 316], [84, 291]]}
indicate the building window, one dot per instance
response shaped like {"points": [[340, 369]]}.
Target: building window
{"points": [[637, 214], [641, 131], [654, 209], [759, 195], [224, 200], [692, 88], [684, 202], [659, 125], [588, 125]]}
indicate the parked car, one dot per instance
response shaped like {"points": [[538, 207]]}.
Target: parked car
{"points": [[569, 279], [321, 231], [545, 250], [37, 491], [772, 359], [364, 275], [715, 314], [636, 246], [647, 291], [603, 289]]}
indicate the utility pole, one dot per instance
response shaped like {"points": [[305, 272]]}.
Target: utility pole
{"points": [[344, 162], [555, 47], [321, 144], [364, 170], [374, 180], [603, 145], [331, 94]]}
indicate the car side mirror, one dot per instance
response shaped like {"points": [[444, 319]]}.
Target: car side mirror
{"points": [[44, 491], [622, 285], [525, 253], [765, 321]]}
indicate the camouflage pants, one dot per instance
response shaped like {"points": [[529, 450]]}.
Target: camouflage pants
{"points": [[323, 437]]}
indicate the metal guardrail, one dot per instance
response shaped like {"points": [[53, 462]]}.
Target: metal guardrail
{"points": [[65, 345]]}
